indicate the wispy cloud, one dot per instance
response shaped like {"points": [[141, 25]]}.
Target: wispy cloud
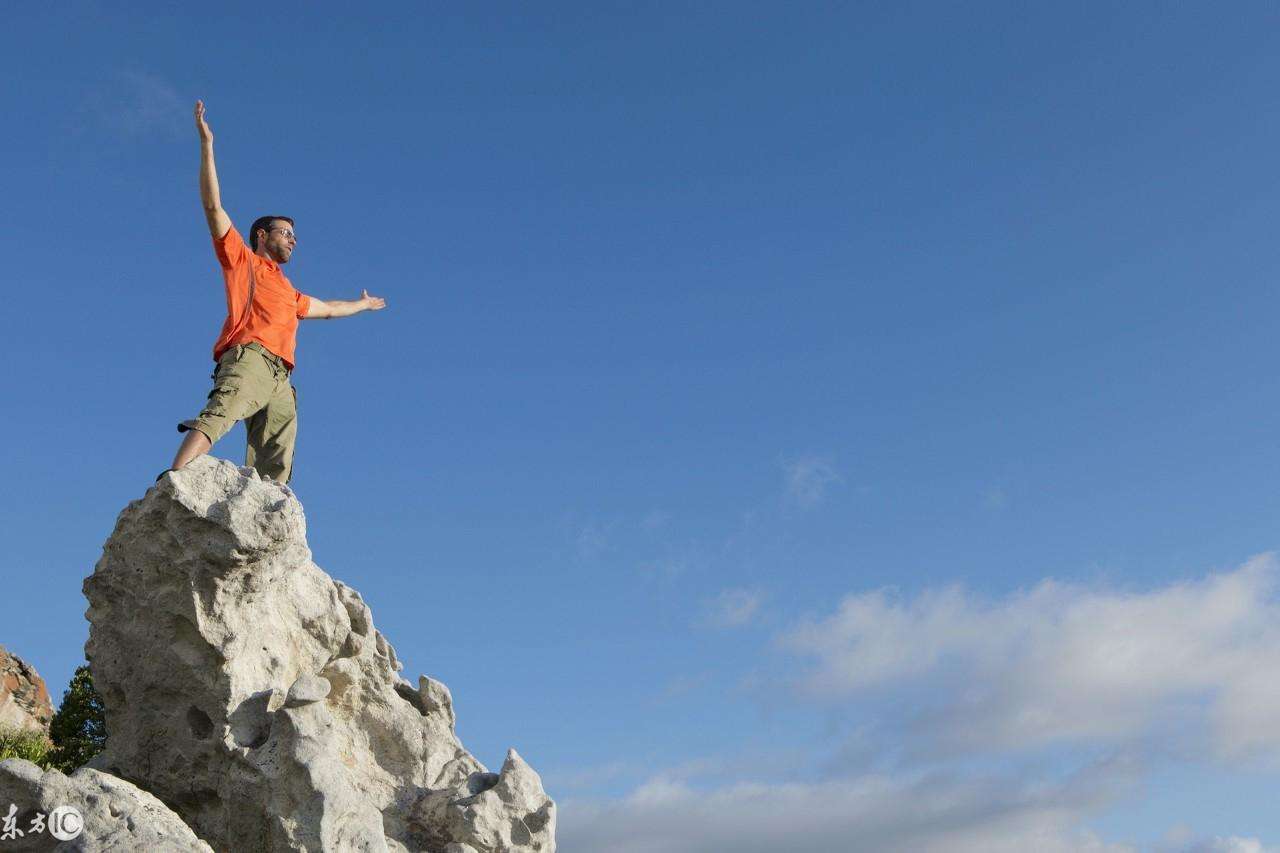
{"points": [[734, 608], [592, 540], [995, 498], [928, 814], [670, 566], [931, 813], [681, 686], [135, 104], [586, 778], [1183, 840], [1066, 663], [654, 520], [625, 537], [807, 479]]}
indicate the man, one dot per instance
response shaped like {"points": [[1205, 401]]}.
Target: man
{"points": [[254, 351]]}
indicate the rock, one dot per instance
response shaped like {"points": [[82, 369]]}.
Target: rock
{"points": [[491, 811], [307, 689], [114, 814], [24, 699], [252, 693]]}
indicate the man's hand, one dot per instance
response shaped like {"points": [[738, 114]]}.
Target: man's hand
{"points": [[372, 303], [202, 126]]}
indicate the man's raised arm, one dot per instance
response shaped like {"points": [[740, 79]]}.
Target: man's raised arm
{"points": [[210, 196]]}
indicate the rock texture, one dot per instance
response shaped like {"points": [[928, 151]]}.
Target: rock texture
{"points": [[115, 815], [252, 693], [24, 699]]}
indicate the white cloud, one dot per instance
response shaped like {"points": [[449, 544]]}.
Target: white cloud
{"points": [[1063, 662], [986, 683], [734, 608], [807, 479], [922, 814], [1233, 844], [1183, 840]]}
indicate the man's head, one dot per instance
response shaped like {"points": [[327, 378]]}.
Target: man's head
{"points": [[275, 235]]}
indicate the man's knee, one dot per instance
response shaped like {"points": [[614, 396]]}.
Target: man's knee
{"points": [[194, 426]]}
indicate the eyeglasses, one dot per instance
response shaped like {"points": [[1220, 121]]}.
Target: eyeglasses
{"points": [[287, 232]]}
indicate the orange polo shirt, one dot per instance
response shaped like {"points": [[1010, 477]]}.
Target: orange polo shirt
{"points": [[272, 320]]}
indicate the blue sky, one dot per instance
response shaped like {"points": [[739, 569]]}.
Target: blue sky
{"points": [[804, 421]]}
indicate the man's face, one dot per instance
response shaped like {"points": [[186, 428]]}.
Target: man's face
{"points": [[279, 241]]}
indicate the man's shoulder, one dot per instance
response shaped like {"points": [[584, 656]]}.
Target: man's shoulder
{"points": [[230, 247]]}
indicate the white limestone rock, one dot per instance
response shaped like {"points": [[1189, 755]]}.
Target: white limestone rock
{"points": [[492, 811], [251, 692], [116, 815]]}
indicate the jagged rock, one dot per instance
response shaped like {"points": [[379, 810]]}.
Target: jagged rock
{"points": [[251, 692], [24, 699], [114, 814], [490, 811]]}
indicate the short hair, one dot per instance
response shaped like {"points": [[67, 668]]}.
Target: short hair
{"points": [[263, 223]]}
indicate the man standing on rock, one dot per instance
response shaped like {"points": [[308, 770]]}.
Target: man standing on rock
{"points": [[254, 351]]}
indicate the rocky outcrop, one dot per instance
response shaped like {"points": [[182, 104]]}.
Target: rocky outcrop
{"points": [[110, 814], [252, 693], [24, 699]]}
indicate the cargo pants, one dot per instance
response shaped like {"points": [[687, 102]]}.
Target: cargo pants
{"points": [[251, 384]]}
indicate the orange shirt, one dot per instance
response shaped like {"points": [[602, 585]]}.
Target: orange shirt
{"points": [[273, 318]]}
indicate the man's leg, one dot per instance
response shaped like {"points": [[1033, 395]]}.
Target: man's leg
{"points": [[241, 386], [194, 443], [273, 431]]}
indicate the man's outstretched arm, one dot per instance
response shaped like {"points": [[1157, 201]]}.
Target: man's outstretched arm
{"points": [[328, 309], [210, 195]]}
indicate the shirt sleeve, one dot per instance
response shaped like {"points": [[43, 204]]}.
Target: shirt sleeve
{"points": [[302, 304], [230, 249]]}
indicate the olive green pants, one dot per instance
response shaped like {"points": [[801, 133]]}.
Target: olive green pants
{"points": [[251, 384]]}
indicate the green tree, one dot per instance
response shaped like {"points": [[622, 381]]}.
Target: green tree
{"points": [[79, 729]]}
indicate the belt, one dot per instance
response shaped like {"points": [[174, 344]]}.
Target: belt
{"points": [[268, 355]]}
